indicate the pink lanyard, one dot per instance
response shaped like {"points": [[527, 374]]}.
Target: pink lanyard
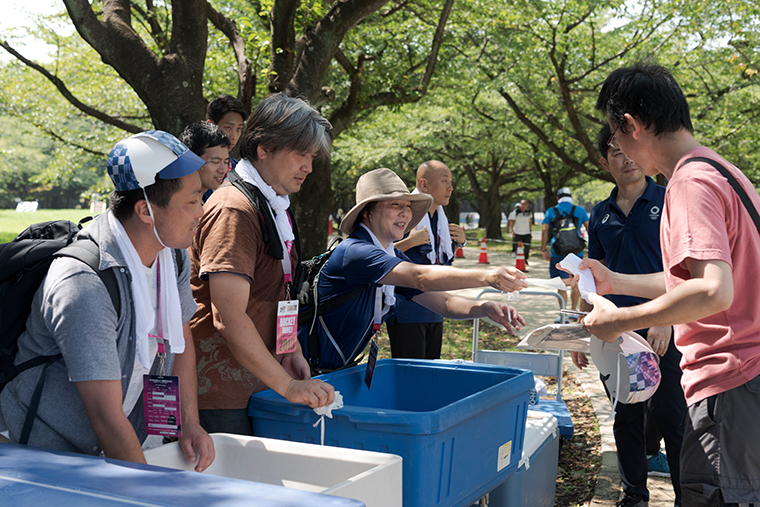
{"points": [[159, 320], [287, 268]]}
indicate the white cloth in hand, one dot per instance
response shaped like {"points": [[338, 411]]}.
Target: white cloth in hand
{"points": [[586, 284], [335, 405]]}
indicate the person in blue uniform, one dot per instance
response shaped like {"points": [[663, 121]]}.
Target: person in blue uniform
{"points": [[385, 210], [414, 331]]}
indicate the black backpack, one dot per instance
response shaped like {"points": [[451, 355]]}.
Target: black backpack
{"points": [[567, 240], [306, 283], [24, 262]]}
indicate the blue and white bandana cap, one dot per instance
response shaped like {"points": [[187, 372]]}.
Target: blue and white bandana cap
{"points": [[629, 368], [135, 162]]}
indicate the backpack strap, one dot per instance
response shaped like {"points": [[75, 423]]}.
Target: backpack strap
{"points": [[268, 227], [311, 314], [178, 259], [307, 314], [31, 413], [86, 251], [555, 220], [738, 188]]}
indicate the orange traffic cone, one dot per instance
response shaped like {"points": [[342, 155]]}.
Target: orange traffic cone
{"points": [[329, 226], [520, 262], [459, 254], [483, 259]]}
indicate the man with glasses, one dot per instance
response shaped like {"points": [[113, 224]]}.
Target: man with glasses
{"points": [[711, 257], [624, 235]]}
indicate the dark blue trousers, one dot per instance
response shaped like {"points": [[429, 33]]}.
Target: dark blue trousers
{"points": [[669, 407]]}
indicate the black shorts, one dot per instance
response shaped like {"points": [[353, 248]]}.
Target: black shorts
{"points": [[720, 456]]}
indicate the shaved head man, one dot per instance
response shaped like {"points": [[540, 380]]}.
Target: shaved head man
{"points": [[416, 332]]}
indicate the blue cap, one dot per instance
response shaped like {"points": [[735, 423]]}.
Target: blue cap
{"points": [[135, 162]]}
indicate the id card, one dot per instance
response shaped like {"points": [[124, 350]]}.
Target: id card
{"points": [[161, 403], [371, 360], [287, 326]]}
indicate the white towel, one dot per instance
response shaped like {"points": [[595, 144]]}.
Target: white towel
{"points": [[278, 203], [389, 291], [444, 236], [171, 314]]}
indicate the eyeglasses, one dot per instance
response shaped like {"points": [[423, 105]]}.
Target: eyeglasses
{"points": [[612, 142]]}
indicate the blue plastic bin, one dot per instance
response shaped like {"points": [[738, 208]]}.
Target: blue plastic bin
{"points": [[459, 427]]}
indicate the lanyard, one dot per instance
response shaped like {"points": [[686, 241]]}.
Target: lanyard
{"points": [[287, 267], [379, 307], [159, 322]]}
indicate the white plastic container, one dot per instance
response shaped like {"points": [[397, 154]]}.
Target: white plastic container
{"points": [[370, 477], [533, 484]]}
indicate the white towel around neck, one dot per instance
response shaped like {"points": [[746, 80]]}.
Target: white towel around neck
{"points": [[145, 316], [444, 236], [278, 203], [389, 291]]}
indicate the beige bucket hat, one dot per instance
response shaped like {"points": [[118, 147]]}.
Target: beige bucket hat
{"points": [[384, 185]]}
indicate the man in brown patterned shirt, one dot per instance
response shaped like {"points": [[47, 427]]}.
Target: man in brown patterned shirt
{"points": [[241, 257]]}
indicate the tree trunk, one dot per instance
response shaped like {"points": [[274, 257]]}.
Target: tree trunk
{"points": [[312, 205], [170, 85], [452, 210], [490, 214]]}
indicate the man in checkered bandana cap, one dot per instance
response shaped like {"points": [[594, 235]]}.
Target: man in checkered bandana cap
{"points": [[91, 400]]}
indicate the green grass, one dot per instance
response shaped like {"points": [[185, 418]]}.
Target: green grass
{"points": [[12, 222]]}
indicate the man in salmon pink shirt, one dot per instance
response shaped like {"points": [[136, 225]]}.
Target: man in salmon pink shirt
{"points": [[707, 291]]}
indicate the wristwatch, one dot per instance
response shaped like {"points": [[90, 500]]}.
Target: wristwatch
{"points": [[463, 244]]}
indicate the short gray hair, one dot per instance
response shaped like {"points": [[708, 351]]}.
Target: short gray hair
{"points": [[280, 122]]}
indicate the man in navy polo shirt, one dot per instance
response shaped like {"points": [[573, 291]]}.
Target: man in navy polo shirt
{"points": [[624, 234]]}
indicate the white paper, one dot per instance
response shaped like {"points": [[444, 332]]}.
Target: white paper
{"points": [[586, 284], [555, 283], [558, 337]]}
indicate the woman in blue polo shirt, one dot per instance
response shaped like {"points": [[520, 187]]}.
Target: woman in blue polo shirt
{"points": [[385, 210]]}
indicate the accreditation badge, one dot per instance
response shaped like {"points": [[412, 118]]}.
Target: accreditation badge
{"points": [[161, 404], [287, 326]]}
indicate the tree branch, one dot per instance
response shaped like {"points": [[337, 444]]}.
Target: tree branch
{"points": [[342, 116], [70, 96], [71, 143], [246, 80], [322, 41], [283, 46], [541, 135], [156, 31], [436, 46]]}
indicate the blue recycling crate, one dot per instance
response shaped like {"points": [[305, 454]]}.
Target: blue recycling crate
{"points": [[458, 426]]}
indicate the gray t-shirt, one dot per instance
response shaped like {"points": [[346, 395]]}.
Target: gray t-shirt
{"points": [[72, 314]]}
